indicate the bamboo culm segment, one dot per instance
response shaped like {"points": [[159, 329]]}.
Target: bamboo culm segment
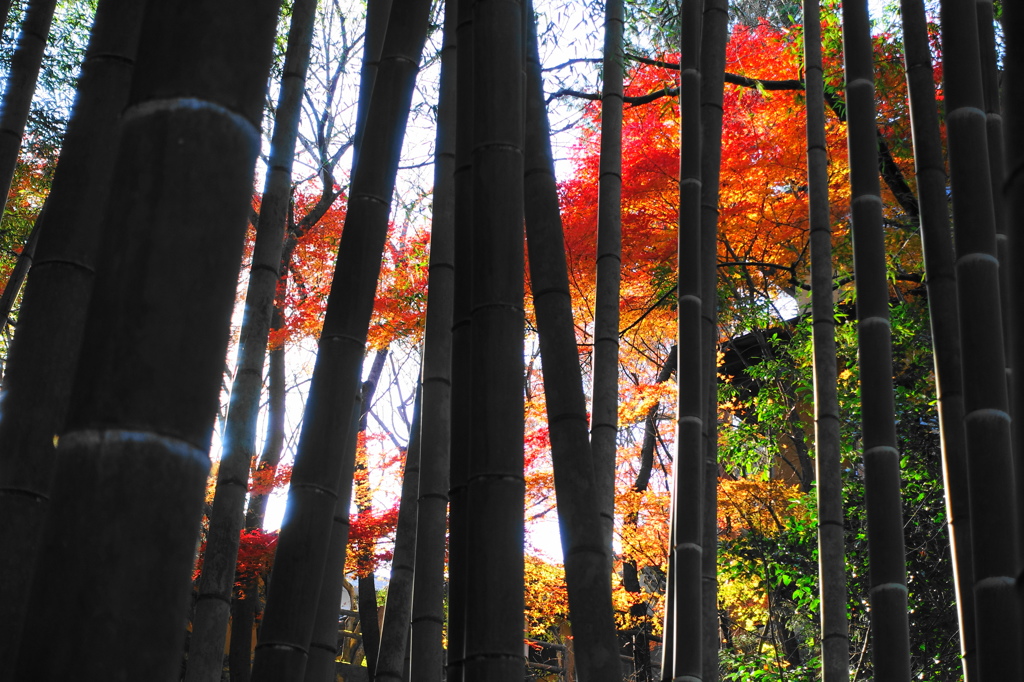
{"points": [[43, 355], [495, 486], [994, 513], [302, 547], [139, 426], [944, 315]]}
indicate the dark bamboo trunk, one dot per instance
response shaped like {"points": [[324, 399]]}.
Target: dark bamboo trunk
{"points": [[18, 92], [495, 486], [945, 318], [246, 602], [213, 606], [994, 134], [42, 358], [323, 647], [462, 344], [835, 628], [886, 550], [1013, 191], [579, 494], [324, 644], [287, 627], [605, 407], [132, 461], [714, 37], [683, 612], [394, 632], [994, 519], [427, 652]]}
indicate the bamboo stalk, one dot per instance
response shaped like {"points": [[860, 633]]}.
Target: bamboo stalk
{"points": [[605, 407], [216, 583], [40, 365], [987, 421], [945, 318], [131, 468], [303, 545], [435, 428], [886, 550], [579, 494], [683, 623], [714, 37], [495, 485], [835, 627], [462, 343]]}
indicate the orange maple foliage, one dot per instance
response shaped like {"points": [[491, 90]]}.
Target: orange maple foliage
{"points": [[401, 292]]}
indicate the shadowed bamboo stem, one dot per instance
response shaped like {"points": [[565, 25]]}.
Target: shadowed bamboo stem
{"points": [[216, 583], [714, 37], [495, 484], [605, 409], [303, 545], [994, 512], [435, 426], [944, 315], [41, 362], [580, 498], [835, 627], [147, 386], [683, 623], [886, 550]]}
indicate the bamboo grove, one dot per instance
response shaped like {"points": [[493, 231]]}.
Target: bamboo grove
{"points": [[757, 350]]}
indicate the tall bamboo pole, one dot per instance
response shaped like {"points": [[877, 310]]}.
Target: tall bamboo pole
{"points": [[42, 358], [18, 92], [835, 627], [1013, 191], [605, 407], [886, 550], [435, 426], [132, 461], [323, 645], [714, 37], [580, 498], [394, 633], [302, 548], [216, 583], [495, 486], [683, 623], [937, 241], [462, 344], [994, 519]]}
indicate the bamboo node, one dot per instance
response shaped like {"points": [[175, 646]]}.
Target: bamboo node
{"points": [[157, 106], [99, 438]]}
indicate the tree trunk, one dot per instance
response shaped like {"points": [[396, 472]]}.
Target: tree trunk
{"points": [[462, 344], [303, 545], [323, 648], [683, 604], [495, 486], [1013, 192], [435, 424], [146, 392], [605, 408], [945, 318], [886, 551], [44, 352], [21, 86], [579, 490], [394, 635], [835, 628], [212, 610], [994, 518], [714, 37]]}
